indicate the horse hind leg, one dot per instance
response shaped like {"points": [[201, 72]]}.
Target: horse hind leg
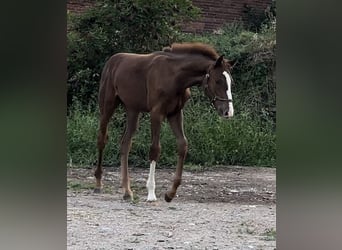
{"points": [[126, 142], [106, 109]]}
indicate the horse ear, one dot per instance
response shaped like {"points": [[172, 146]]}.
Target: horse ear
{"points": [[167, 49], [219, 61], [205, 81]]}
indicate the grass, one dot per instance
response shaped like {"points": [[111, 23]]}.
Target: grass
{"points": [[195, 168], [136, 199], [79, 185], [247, 228], [270, 234], [212, 140]]}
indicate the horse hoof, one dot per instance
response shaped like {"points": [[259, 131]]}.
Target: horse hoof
{"points": [[151, 200], [128, 197], [97, 190], [167, 198]]}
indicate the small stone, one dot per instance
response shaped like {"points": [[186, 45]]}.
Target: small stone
{"points": [[104, 230], [138, 234]]}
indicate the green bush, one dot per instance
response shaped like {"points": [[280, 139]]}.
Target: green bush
{"points": [[114, 26]]}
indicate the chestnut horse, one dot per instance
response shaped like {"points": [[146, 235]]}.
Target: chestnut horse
{"points": [[159, 83]]}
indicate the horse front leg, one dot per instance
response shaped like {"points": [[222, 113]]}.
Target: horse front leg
{"points": [[156, 120], [176, 124]]}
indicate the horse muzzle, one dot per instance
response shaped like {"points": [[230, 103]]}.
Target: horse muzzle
{"points": [[229, 112]]}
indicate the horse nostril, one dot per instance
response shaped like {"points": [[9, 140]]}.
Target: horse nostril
{"points": [[225, 114]]}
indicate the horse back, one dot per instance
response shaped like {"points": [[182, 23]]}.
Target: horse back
{"points": [[144, 81]]}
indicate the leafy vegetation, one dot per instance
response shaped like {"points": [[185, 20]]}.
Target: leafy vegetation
{"points": [[256, 18]]}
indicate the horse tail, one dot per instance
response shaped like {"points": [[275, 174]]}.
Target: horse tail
{"points": [[105, 81], [107, 88]]}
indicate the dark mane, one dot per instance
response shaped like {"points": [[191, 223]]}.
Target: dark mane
{"points": [[193, 48]]}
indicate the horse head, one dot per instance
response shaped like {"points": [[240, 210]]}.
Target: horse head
{"points": [[217, 86]]}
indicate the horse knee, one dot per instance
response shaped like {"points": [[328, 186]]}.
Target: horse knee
{"points": [[155, 152], [101, 140], [125, 146], [182, 146]]}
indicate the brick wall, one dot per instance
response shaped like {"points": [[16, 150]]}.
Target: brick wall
{"points": [[78, 6], [214, 12]]}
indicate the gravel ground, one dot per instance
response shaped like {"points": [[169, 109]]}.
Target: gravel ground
{"points": [[225, 208]]}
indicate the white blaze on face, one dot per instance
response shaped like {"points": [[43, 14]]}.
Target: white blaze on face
{"points": [[151, 185], [229, 93]]}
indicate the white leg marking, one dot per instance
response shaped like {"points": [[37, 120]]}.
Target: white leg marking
{"points": [[229, 94], [151, 185]]}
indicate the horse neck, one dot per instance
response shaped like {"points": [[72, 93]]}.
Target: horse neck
{"points": [[192, 70]]}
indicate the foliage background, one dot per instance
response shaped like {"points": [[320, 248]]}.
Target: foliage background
{"points": [[144, 26]]}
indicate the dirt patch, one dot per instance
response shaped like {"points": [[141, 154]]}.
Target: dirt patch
{"points": [[224, 208]]}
